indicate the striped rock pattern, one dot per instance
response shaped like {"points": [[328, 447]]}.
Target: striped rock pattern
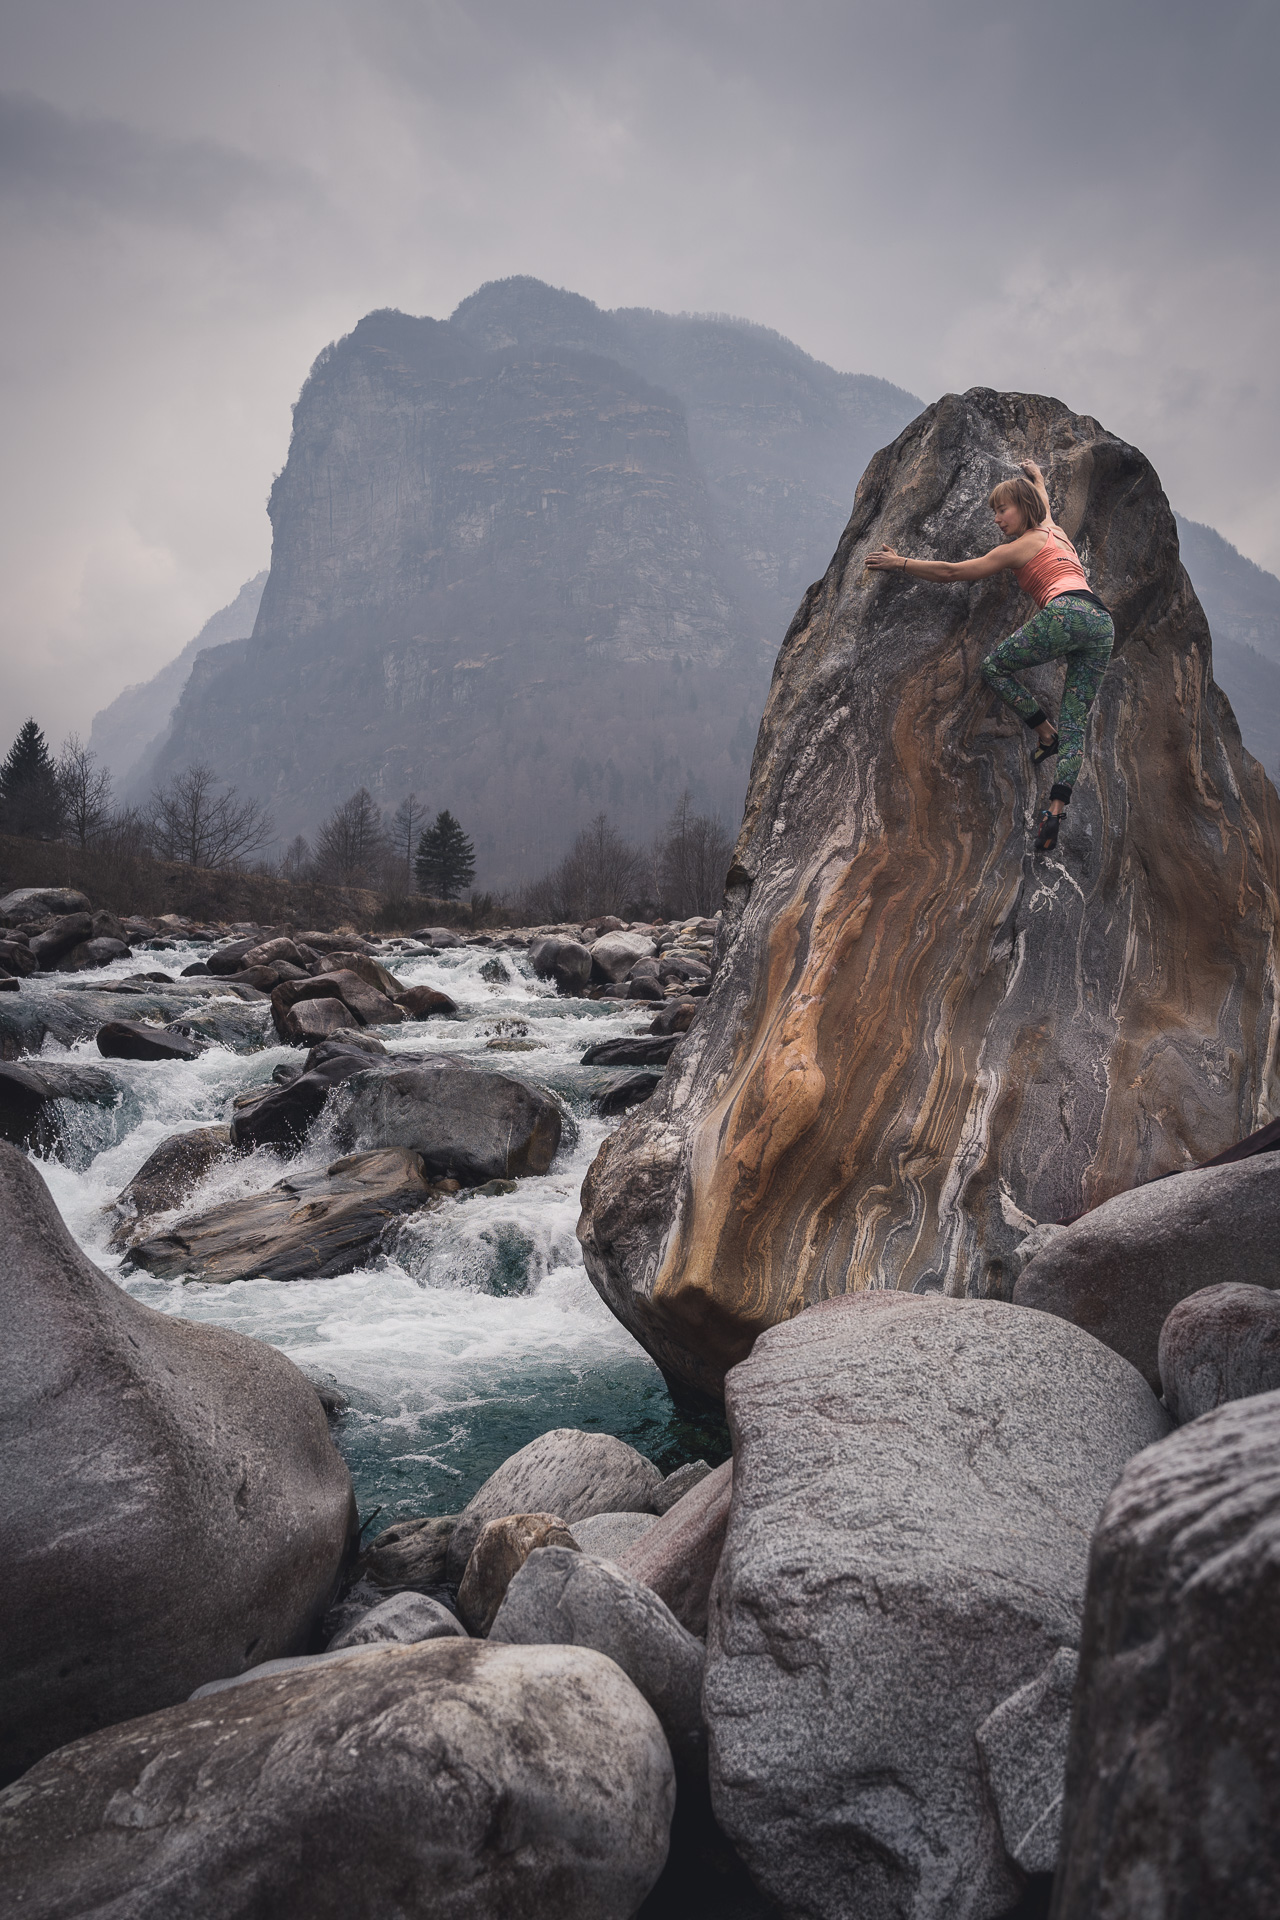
{"points": [[923, 1038]]}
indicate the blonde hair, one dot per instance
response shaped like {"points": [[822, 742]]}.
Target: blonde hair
{"points": [[1019, 493]]}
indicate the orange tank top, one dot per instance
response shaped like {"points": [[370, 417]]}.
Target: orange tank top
{"points": [[1051, 571]]}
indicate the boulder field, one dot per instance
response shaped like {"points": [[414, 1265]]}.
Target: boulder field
{"points": [[922, 1039]]}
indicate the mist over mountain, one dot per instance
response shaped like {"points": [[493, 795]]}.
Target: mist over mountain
{"points": [[126, 736], [532, 562]]}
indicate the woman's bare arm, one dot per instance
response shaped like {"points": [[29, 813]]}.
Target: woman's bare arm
{"points": [[1036, 478], [1011, 553]]}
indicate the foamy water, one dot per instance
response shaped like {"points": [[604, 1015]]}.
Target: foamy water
{"points": [[479, 1329]]}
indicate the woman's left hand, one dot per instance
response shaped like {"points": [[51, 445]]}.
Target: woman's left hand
{"points": [[884, 560]]}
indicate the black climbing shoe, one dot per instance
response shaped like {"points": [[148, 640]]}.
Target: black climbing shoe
{"points": [[1044, 752], [1047, 830]]}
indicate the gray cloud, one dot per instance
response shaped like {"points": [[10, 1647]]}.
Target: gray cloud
{"points": [[1077, 200]]}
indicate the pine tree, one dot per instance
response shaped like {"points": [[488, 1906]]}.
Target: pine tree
{"points": [[446, 863], [30, 797]]}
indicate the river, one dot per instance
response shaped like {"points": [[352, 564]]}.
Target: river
{"points": [[477, 1329]]}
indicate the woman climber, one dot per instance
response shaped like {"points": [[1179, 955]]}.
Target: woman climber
{"points": [[1072, 625]]}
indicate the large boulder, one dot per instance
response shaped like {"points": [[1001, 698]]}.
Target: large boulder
{"points": [[402, 1620], [565, 1472], [915, 1484], [561, 1598], [60, 1112], [365, 968], [1121, 1270], [468, 1124], [16, 959], [37, 903], [500, 1551], [645, 1050], [424, 1003], [67, 931], [567, 962], [174, 1507], [679, 1554], [922, 1038], [1222, 1343], [285, 1114], [446, 1781], [307, 1227], [1175, 1740], [167, 1176], [614, 955]]}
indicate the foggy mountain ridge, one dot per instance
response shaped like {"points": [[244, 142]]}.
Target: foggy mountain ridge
{"points": [[520, 570], [130, 731], [537, 560]]}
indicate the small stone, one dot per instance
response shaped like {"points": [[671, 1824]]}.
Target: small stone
{"points": [[401, 1621], [501, 1549]]}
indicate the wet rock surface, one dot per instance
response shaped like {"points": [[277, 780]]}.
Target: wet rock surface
{"points": [[1220, 1344], [472, 1780], [175, 1507], [566, 1472], [1175, 1739], [921, 1038], [643, 1051], [468, 1125], [134, 1040], [167, 1176], [890, 1578], [35, 1100], [307, 1226], [1120, 1270]]}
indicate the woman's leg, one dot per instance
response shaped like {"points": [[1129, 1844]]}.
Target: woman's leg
{"points": [[1092, 634], [1039, 640]]}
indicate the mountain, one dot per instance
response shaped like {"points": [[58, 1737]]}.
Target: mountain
{"points": [[1242, 603], [531, 562], [127, 732]]}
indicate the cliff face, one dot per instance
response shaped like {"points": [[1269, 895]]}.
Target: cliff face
{"points": [[923, 1038], [518, 570]]}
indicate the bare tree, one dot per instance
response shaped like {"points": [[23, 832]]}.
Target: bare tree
{"points": [[85, 786], [406, 825], [693, 858], [296, 858], [601, 873], [193, 822], [351, 846]]}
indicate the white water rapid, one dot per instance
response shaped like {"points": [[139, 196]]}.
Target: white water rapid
{"points": [[479, 1328]]}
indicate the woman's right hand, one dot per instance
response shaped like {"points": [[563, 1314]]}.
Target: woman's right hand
{"points": [[884, 560]]}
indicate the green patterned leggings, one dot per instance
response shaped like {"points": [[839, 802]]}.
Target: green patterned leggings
{"points": [[1072, 630]]}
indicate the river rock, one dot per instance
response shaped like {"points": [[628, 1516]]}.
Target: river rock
{"points": [[1175, 1740], [468, 1124], [678, 1556], [35, 903], [447, 1779], [561, 1598], [167, 1176], [67, 931], [922, 1037], [441, 937], [365, 1006], [285, 1113], [564, 1471], [272, 951], [135, 1040], [623, 1094], [422, 1003], [1222, 1343], [228, 1023], [43, 1108], [1121, 1270], [889, 1578], [311, 1021], [501, 1549], [613, 956], [643, 1051], [16, 959], [175, 1508], [402, 1621], [676, 1017], [411, 1555], [609, 1535], [677, 1484], [335, 1045], [365, 968], [307, 1227], [567, 962]]}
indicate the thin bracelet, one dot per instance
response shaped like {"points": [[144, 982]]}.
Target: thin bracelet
{"points": [[904, 566]]}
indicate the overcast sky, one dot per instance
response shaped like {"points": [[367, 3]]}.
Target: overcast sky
{"points": [[1078, 199]]}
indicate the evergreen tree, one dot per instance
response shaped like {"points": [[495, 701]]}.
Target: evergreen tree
{"points": [[446, 862], [30, 796]]}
